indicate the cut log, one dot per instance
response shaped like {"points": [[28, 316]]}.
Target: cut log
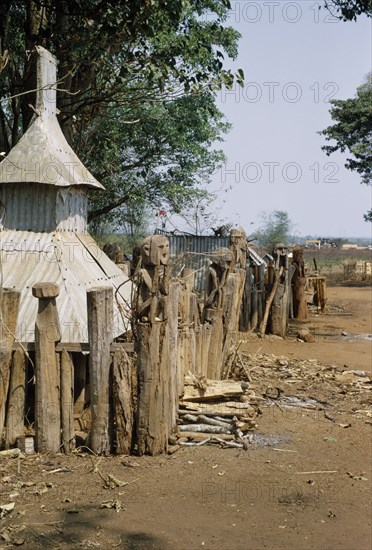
{"points": [[15, 420], [47, 370], [194, 411], [199, 436], [205, 428], [9, 304], [100, 326]]}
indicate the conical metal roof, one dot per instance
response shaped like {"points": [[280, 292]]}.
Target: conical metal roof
{"points": [[43, 155]]}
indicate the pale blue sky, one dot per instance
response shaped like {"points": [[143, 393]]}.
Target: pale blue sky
{"points": [[311, 59]]}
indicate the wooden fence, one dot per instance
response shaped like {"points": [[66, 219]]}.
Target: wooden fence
{"points": [[97, 394]]}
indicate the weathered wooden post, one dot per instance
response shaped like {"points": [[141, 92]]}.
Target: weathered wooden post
{"points": [[67, 401], [80, 379], [188, 318], [152, 346], [232, 306], [270, 301], [47, 369], [100, 325], [123, 405], [215, 306], [153, 388], [298, 285], [175, 383], [15, 419], [9, 304], [280, 304]]}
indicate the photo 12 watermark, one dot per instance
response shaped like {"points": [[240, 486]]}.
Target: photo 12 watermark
{"points": [[275, 11], [278, 172], [275, 92]]}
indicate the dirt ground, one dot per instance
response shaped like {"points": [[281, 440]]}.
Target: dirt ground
{"points": [[304, 483]]}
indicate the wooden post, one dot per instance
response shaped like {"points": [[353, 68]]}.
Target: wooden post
{"points": [[215, 355], [246, 306], [67, 402], [100, 325], [254, 299], [174, 383], [270, 301], [203, 340], [47, 397], [298, 281], [153, 388], [231, 314], [9, 304], [261, 298], [123, 405], [80, 378], [15, 419]]}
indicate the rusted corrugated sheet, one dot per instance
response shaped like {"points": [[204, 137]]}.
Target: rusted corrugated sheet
{"points": [[193, 252], [72, 261]]}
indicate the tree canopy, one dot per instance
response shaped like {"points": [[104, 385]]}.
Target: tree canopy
{"points": [[136, 92], [352, 132], [136, 89], [274, 229], [349, 10]]}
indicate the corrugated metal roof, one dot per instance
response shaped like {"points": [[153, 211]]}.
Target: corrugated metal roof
{"points": [[43, 208], [43, 155], [75, 263]]}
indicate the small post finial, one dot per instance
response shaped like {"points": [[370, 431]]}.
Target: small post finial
{"points": [[46, 82]]}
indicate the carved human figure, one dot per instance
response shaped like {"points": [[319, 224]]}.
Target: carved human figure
{"points": [[112, 250], [216, 277], [153, 279], [280, 254], [238, 247]]}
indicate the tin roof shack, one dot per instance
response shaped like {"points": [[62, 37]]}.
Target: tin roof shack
{"points": [[51, 267], [44, 191]]}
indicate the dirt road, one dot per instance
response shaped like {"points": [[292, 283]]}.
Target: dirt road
{"points": [[304, 483]]}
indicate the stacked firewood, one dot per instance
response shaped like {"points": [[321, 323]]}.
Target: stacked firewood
{"points": [[216, 411]]}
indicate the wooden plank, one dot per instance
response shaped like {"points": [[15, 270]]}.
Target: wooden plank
{"points": [[216, 389], [9, 305], [67, 402], [123, 405], [15, 420], [47, 398], [100, 325]]}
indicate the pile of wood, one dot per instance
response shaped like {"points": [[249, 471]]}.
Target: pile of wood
{"points": [[216, 411]]}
